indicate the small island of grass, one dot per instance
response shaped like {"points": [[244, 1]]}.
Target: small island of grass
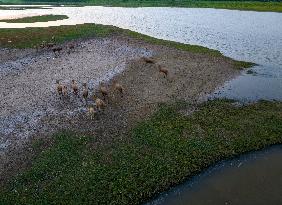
{"points": [[34, 19]]}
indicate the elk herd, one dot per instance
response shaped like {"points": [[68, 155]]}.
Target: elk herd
{"points": [[103, 91]]}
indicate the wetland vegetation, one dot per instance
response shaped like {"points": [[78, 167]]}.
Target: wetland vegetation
{"points": [[33, 19], [156, 154]]}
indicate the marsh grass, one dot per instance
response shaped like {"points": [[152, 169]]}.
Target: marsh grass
{"points": [[33, 19], [160, 152], [30, 37]]}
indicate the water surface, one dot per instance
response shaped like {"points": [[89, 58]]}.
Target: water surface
{"points": [[254, 178]]}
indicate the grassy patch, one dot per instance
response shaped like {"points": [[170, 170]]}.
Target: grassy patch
{"points": [[274, 6], [242, 64], [180, 46], [30, 37], [33, 19], [161, 152], [21, 7]]}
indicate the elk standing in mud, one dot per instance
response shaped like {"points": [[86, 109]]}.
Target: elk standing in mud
{"points": [[100, 104], [71, 46], [163, 70], [91, 112], [50, 45], [65, 90], [59, 87], [118, 87], [104, 91], [57, 50], [148, 60], [74, 87], [85, 92]]}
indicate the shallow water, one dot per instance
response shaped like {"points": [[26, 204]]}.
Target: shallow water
{"points": [[254, 178], [242, 35]]}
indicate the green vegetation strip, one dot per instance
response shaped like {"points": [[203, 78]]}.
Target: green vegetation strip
{"points": [[33, 19], [30, 37], [274, 6], [161, 152], [20, 7]]}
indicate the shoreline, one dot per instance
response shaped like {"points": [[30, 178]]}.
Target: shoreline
{"points": [[190, 183], [230, 5]]}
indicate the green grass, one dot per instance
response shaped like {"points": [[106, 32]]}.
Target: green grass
{"points": [[274, 6], [20, 7], [33, 19], [30, 37], [162, 151], [172, 44]]}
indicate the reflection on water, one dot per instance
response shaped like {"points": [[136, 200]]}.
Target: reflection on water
{"points": [[251, 179], [243, 35]]}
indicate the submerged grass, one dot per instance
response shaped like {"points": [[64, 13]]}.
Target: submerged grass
{"points": [[33, 19], [160, 152]]}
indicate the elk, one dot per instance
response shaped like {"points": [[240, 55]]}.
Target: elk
{"points": [[91, 112], [163, 70], [74, 87], [118, 87], [59, 87], [148, 60], [100, 104], [103, 90], [85, 92]]}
